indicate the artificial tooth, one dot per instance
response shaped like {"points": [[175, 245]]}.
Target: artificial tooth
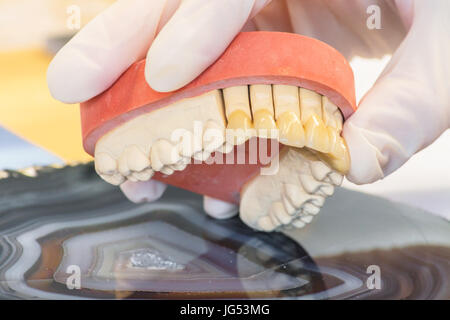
{"points": [[298, 223], [311, 114], [338, 158], [266, 224], [310, 209], [213, 136], [143, 175], [237, 110], [105, 164], [310, 184], [114, 179], [297, 196], [287, 114], [163, 153], [262, 109], [123, 164], [306, 219], [137, 161], [167, 171], [290, 209], [132, 178], [319, 170], [317, 134], [226, 148], [278, 211], [332, 117], [310, 104]]}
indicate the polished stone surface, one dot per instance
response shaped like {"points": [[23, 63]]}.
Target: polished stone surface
{"points": [[65, 221]]}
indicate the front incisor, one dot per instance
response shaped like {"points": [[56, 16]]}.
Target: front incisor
{"points": [[262, 109], [287, 115]]}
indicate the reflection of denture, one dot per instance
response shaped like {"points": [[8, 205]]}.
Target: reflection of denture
{"points": [[267, 85]]}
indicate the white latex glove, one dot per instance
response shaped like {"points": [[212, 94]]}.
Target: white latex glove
{"points": [[407, 109]]}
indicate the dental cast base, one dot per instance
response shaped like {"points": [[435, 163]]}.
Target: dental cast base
{"points": [[185, 142]]}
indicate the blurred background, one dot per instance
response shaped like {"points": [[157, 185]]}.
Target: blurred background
{"points": [[35, 129]]}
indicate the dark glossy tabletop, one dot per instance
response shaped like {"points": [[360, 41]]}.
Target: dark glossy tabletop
{"points": [[67, 222]]}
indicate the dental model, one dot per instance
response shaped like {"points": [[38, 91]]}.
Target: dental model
{"points": [[267, 87]]}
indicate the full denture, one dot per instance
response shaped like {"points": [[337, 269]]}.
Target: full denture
{"points": [[297, 86]]}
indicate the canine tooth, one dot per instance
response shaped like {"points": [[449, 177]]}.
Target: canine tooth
{"points": [[332, 117], [105, 164], [338, 158], [278, 211], [317, 134], [306, 219], [287, 115], [262, 109], [114, 179], [237, 110], [311, 114], [163, 153]]}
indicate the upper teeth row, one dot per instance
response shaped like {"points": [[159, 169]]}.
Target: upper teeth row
{"points": [[145, 144]]}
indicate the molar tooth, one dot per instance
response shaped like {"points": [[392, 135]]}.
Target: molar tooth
{"points": [[326, 190], [167, 170], [114, 179], [332, 117], [288, 206], [306, 219], [143, 175], [298, 223], [226, 148], [105, 164], [123, 164], [310, 209], [202, 155], [310, 104], [287, 114], [163, 153], [262, 109], [137, 161], [310, 184], [132, 178], [265, 224], [277, 210], [213, 136], [237, 110]]}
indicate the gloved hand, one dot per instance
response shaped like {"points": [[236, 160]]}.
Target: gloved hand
{"points": [[407, 108]]}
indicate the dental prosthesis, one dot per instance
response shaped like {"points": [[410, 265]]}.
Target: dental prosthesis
{"points": [[286, 93]]}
